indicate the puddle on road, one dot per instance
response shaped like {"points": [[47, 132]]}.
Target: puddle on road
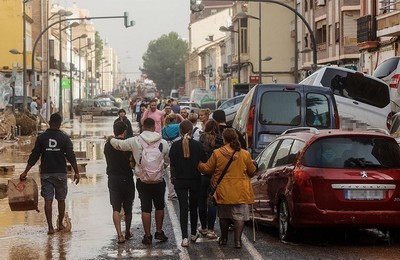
{"points": [[23, 235]]}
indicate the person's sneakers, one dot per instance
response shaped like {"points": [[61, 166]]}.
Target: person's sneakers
{"points": [[211, 234], [203, 232], [231, 227], [160, 236], [185, 242], [193, 238], [147, 240]]}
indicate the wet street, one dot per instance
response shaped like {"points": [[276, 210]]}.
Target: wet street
{"points": [[23, 235]]}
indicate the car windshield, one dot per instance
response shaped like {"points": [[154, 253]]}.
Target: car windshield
{"points": [[105, 103], [387, 67], [353, 152]]}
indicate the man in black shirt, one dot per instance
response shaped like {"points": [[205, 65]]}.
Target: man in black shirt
{"points": [[122, 118], [53, 146], [120, 183]]}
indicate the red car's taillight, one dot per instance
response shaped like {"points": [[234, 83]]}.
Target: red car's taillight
{"points": [[304, 186], [250, 123], [394, 81]]}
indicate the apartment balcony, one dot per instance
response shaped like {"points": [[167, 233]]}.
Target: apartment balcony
{"points": [[388, 24], [366, 33]]}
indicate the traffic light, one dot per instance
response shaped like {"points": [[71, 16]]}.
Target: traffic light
{"points": [[126, 20], [196, 6]]}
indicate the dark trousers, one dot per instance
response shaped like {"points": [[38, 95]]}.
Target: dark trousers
{"points": [[207, 214], [188, 192]]}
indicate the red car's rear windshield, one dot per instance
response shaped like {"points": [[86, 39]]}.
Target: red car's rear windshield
{"points": [[353, 152]]}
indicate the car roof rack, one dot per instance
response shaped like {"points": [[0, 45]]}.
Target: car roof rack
{"points": [[378, 130], [311, 130]]}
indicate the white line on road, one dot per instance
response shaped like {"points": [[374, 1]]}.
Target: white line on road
{"points": [[184, 255], [250, 248]]}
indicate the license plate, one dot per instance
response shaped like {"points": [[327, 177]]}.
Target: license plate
{"points": [[364, 194]]}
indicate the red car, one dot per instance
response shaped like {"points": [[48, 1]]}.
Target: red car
{"points": [[328, 178]]}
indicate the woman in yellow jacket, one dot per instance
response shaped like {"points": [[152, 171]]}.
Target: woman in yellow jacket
{"points": [[234, 193]]}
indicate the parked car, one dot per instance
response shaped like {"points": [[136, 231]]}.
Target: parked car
{"points": [[230, 108], [191, 107], [98, 107], [270, 109], [310, 178], [389, 71], [360, 98], [18, 102]]}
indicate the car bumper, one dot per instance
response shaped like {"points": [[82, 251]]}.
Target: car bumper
{"points": [[308, 215]]}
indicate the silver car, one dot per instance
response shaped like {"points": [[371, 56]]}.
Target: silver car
{"points": [[230, 107]]}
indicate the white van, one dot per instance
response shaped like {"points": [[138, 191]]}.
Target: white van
{"points": [[361, 98], [98, 107]]}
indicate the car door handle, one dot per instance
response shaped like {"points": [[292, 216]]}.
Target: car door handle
{"points": [[355, 102]]}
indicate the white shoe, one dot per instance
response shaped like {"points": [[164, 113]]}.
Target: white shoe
{"points": [[211, 234], [193, 238], [203, 232], [185, 242]]}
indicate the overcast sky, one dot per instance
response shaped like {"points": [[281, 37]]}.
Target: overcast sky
{"points": [[153, 18]]}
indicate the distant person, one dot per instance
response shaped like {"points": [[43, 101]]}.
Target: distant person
{"points": [[193, 118], [52, 147], [220, 117], [43, 111], [150, 192], [34, 107], [132, 108], [122, 118], [120, 182], [175, 106], [155, 114], [167, 111], [204, 115], [138, 104], [143, 108]]}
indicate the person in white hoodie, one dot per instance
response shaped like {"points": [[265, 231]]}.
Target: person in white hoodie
{"points": [[149, 193]]}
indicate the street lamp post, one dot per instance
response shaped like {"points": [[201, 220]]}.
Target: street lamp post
{"points": [[80, 69], [24, 78], [230, 29], [71, 107]]}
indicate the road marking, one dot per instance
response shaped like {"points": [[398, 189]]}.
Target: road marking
{"points": [[183, 253], [250, 248]]}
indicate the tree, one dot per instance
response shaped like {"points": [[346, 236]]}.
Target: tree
{"points": [[98, 44], [164, 62]]}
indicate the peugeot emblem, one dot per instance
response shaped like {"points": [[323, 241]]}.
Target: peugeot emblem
{"points": [[364, 174]]}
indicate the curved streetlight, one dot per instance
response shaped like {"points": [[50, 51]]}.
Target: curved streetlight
{"points": [[230, 29]]}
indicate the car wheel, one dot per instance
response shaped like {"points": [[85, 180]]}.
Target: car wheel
{"points": [[285, 229]]}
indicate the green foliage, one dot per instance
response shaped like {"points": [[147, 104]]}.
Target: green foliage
{"points": [[164, 62], [98, 44]]}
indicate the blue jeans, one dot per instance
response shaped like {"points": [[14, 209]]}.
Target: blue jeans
{"points": [[207, 214]]}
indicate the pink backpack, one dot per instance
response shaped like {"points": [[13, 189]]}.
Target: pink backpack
{"points": [[152, 162]]}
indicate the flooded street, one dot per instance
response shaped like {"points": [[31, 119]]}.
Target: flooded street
{"points": [[23, 235]]}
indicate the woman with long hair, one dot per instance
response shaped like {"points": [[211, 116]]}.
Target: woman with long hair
{"points": [[232, 205], [204, 114], [185, 154], [207, 214]]}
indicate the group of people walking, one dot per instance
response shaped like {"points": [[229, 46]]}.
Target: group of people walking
{"points": [[199, 159], [202, 159]]}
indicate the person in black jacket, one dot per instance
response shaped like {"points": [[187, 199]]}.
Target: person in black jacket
{"points": [[120, 182], [53, 146], [185, 154], [122, 118]]}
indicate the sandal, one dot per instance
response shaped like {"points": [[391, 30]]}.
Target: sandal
{"points": [[128, 235], [222, 241], [121, 239]]}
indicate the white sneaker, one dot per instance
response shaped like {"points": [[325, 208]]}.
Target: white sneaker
{"points": [[203, 232], [211, 234], [185, 242], [193, 238]]}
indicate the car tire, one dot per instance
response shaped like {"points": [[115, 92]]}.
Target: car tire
{"points": [[286, 231]]}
